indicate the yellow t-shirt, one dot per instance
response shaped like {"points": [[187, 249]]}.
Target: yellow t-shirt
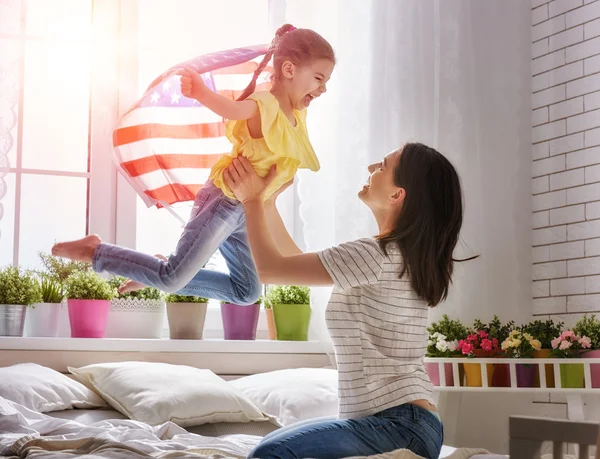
{"points": [[282, 144]]}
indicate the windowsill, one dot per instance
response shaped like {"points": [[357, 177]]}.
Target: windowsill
{"points": [[162, 345]]}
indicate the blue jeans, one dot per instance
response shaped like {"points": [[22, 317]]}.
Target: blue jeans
{"points": [[216, 222], [406, 426]]}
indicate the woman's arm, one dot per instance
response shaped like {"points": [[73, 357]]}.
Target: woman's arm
{"points": [[284, 242], [192, 85], [272, 266]]}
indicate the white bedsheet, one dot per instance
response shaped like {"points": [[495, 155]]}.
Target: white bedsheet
{"points": [[31, 435]]}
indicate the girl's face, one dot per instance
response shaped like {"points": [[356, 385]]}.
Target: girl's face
{"points": [[380, 190], [306, 83]]}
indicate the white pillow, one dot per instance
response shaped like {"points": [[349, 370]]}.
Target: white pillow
{"points": [[292, 395], [155, 393], [43, 390]]}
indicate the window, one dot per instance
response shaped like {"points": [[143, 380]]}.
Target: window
{"points": [[45, 125]]}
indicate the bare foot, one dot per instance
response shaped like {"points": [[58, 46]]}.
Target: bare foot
{"points": [[131, 285], [79, 250]]}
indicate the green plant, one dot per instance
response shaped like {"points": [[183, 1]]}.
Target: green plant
{"points": [[590, 327], [61, 269], [495, 329], [147, 293], [52, 290], [543, 331], [19, 287], [87, 285], [288, 294], [174, 298], [444, 336]]}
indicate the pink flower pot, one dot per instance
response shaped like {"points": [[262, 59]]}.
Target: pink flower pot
{"points": [[594, 368], [433, 370], [88, 318], [240, 322]]}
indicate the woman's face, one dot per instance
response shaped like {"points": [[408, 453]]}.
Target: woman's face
{"points": [[380, 191]]}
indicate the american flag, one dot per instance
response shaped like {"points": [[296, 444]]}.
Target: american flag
{"points": [[166, 143]]}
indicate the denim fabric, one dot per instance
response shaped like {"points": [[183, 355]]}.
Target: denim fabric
{"points": [[216, 222], [406, 426]]}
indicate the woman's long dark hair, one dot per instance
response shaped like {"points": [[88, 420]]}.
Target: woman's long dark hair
{"points": [[428, 227]]}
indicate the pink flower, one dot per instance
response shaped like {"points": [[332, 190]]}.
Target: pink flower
{"points": [[482, 334], [568, 334], [556, 342], [486, 345], [472, 337], [585, 342], [495, 343], [565, 345], [467, 348]]}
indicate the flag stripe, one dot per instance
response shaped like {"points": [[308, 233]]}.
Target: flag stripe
{"points": [[123, 136], [148, 164], [247, 68], [175, 116], [234, 94], [138, 150], [175, 192]]}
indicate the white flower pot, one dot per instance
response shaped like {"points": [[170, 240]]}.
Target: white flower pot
{"points": [[42, 320], [135, 318]]}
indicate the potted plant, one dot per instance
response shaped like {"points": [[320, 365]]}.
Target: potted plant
{"points": [[568, 346], [478, 344], [88, 298], [521, 345], [590, 327], [18, 290], [291, 311], [138, 314], [42, 318], [544, 332], [497, 332], [186, 316], [443, 342], [59, 270], [270, 320], [239, 321]]}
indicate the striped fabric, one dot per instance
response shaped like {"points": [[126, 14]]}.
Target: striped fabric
{"points": [[166, 143], [378, 328]]}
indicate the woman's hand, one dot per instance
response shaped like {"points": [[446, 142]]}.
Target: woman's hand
{"points": [[245, 183], [283, 187]]}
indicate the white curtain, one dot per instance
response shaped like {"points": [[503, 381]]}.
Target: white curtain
{"points": [[453, 74]]}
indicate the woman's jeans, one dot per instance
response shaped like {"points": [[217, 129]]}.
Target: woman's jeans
{"points": [[406, 426]]}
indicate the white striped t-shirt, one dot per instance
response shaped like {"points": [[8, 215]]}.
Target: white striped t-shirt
{"points": [[378, 328]]}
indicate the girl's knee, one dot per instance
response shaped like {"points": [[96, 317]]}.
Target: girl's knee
{"points": [[249, 293]]}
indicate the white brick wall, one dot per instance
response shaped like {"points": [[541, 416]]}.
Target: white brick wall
{"points": [[566, 157]]}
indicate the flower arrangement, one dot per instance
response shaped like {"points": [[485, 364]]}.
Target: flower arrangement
{"points": [[520, 345], [444, 336], [480, 340], [87, 285], [569, 345], [18, 287], [543, 331], [288, 294], [258, 301], [174, 298], [590, 327], [60, 269], [495, 329]]}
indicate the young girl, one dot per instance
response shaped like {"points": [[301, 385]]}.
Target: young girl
{"points": [[383, 288], [269, 128]]}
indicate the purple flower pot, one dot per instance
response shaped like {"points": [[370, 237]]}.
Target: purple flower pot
{"points": [[594, 368], [240, 322], [526, 374], [433, 371]]}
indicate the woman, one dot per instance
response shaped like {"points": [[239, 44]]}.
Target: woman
{"points": [[377, 314]]}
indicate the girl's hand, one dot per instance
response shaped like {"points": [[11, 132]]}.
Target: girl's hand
{"points": [[245, 183], [192, 84]]}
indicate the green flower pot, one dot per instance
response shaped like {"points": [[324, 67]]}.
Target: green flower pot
{"points": [[571, 375], [291, 321]]}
